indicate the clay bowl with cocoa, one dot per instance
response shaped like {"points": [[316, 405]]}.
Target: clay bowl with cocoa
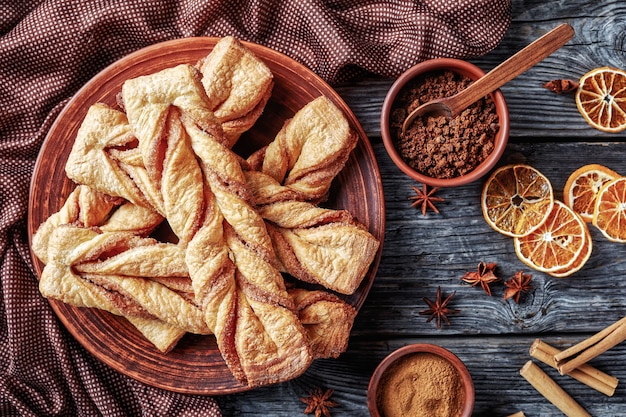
{"points": [[419, 380], [440, 151]]}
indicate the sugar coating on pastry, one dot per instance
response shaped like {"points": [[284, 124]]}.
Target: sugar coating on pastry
{"points": [[327, 320], [234, 78], [238, 85], [311, 149], [90, 162]]}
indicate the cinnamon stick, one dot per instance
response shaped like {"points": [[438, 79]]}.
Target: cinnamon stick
{"points": [[591, 347], [551, 390], [585, 373]]}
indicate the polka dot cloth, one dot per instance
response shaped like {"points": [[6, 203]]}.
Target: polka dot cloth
{"points": [[51, 48]]}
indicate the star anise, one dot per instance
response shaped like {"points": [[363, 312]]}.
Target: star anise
{"points": [[318, 402], [517, 285], [439, 309], [483, 276], [425, 198]]}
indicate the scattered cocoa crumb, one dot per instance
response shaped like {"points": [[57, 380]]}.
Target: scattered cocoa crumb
{"points": [[561, 86], [435, 146]]}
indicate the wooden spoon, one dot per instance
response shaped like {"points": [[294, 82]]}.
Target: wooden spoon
{"points": [[496, 78]]}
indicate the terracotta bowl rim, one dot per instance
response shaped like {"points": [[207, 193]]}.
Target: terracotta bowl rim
{"points": [[462, 67], [393, 357]]}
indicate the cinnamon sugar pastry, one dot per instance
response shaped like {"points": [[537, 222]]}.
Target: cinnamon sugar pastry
{"points": [[88, 208], [228, 249], [152, 260], [315, 245], [327, 320], [90, 161], [320, 246], [266, 342], [131, 218], [71, 247], [238, 85], [132, 296], [154, 105], [310, 150], [84, 206]]}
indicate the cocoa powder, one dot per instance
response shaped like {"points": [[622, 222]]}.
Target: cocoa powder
{"points": [[422, 384], [435, 146]]}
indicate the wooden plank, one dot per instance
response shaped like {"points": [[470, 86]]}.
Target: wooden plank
{"points": [[423, 252], [493, 362]]}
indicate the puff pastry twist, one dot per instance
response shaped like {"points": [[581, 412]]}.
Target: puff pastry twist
{"points": [[309, 151], [73, 275], [313, 244], [237, 84], [228, 250]]}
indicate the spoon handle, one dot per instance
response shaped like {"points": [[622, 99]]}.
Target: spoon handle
{"points": [[512, 67]]}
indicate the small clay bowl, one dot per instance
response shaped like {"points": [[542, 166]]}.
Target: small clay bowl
{"points": [[404, 353], [463, 68]]}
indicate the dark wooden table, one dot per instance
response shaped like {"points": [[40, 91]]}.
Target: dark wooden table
{"points": [[491, 335]]}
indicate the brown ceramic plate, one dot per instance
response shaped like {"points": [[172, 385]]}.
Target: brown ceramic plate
{"points": [[195, 366]]}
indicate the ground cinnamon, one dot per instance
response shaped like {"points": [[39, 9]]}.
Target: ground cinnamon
{"points": [[435, 146], [421, 384]]}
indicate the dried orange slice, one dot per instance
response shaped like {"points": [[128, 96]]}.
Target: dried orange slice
{"points": [[556, 244], [516, 199], [601, 99], [580, 260], [610, 211], [582, 187]]}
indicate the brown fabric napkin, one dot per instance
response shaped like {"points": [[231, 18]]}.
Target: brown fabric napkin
{"points": [[49, 49]]}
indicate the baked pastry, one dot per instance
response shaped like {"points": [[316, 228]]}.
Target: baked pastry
{"points": [[84, 206], [90, 161], [320, 246], [266, 343], [88, 208], [238, 85], [132, 295], [315, 245], [132, 218], [327, 320], [154, 106], [309, 151], [70, 247], [228, 250]]}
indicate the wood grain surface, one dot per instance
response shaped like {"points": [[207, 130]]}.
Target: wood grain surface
{"points": [[492, 336]]}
